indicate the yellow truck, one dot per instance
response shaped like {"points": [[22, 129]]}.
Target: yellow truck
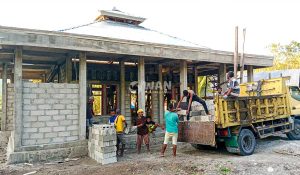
{"points": [[263, 109]]}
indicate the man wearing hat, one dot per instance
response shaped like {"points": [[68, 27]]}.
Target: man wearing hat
{"points": [[142, 131]]}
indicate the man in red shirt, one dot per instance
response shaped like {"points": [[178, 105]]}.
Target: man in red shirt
{"points": [[142, 131]]}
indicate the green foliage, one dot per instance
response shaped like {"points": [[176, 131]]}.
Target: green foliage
{"points": [[224, 170], [285, 56]]}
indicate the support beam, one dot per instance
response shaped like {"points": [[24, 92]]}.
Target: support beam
{"points": [[161, 95], [68, 78], [250, 73], [141, 83], [18, 99], [196, 80], [183, 76], [222, 76], [4, 96], [122, 87], [82, 95]]}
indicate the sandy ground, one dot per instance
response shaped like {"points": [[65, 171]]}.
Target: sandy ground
{"points": [[274, 155]]}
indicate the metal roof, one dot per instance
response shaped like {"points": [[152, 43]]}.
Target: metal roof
{"points": [[126, 31]]}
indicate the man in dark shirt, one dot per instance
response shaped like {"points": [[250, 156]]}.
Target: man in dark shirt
{"points": [[142, 131], [89, 114]]}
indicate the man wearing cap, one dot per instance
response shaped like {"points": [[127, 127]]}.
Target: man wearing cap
{"points": [[142, 131], [120, 125]]}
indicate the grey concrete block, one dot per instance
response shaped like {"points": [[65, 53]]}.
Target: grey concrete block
{"points": [[29, 107], [58, 85], [30, 130], [59, 128], [52, 123], [44, 118], [59, 117], [65, 91], [45, 129], [52, 112], [72, 127], [29, 96], [72, 106], [72, 117], [38, 124], [51, 135], [37, 136], [38, 101], [59, 106], [65, 122], [38, 91], [65, 112], [58, 96], [44, 106], [64, 134], [37, 112], [72, 138], [29, 85]]}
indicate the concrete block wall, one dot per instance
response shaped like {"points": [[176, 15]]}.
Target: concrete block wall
{"points": [[10, 107], [155, 107], [102, 144], [50, 113], [127, 106]]}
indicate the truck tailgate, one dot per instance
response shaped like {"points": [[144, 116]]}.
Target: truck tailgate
{"points": [[196, 132]]}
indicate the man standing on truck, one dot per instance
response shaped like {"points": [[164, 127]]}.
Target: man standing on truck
{"points": [[191, 96], [172, 121], [233, 88]]}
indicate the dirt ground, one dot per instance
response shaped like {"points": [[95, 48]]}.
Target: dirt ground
{"points": [[275, 155]]}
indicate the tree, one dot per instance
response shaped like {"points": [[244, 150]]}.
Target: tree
{"points": [[285, 56]]}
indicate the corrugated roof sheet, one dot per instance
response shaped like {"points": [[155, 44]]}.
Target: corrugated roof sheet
{"points": [[125, 31]]}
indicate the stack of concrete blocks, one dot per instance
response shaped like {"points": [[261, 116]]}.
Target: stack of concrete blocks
{"points": [[102, 144], [9, 107], [198, 114]]}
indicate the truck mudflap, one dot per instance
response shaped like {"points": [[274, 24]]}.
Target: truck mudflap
{"points": [[196, 132]]}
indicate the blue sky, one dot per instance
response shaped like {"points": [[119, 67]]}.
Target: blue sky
{"points": [[208, 23]]}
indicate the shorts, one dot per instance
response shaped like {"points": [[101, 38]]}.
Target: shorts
{"points": [[168, 135], [141, 138], [120, 138]]}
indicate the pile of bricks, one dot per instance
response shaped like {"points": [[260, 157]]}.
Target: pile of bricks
{"points": [[102, 144]]}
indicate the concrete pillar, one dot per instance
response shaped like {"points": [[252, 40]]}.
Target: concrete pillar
{"points": [[18, 86], [222, 76], [122, 86], [160, 95], [141, 83], [82, 95], [196, 80], [183, 76], [249, 73], [4, 96], [68, 68]]}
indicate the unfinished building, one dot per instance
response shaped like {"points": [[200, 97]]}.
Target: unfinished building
{"points": [[47, 77]]}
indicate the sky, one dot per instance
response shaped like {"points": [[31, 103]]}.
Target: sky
{"points": [[209, 23]]}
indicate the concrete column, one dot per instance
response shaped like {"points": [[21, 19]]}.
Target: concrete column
{"points": [[4, 96], [183, 76], [196, 80], [68, 68], [18, 86], [161, 95], [122, 87], [250, 73], [141, 84], [82, 95], [222, 76]]}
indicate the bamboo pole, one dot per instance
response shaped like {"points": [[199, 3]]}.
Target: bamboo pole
{"points": [[235, 56], [242, 61]]}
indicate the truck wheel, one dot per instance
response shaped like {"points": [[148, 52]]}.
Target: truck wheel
{"points": [[246, 142], [295, 134]]}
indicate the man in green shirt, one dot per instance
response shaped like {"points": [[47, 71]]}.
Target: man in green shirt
{"points": [[172, 121]]}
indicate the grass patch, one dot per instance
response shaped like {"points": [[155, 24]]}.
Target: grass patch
{"points": [[224, 170]]}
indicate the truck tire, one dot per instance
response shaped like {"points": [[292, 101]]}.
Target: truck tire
{"points": [[295, 134], [246, 142]]}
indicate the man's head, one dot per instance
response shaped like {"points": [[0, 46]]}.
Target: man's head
{"points": [[148, 118], [118, 112], [112, 112], [185, 93], [140, 112], [171, 107], [91, 99], [230, 74]]}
